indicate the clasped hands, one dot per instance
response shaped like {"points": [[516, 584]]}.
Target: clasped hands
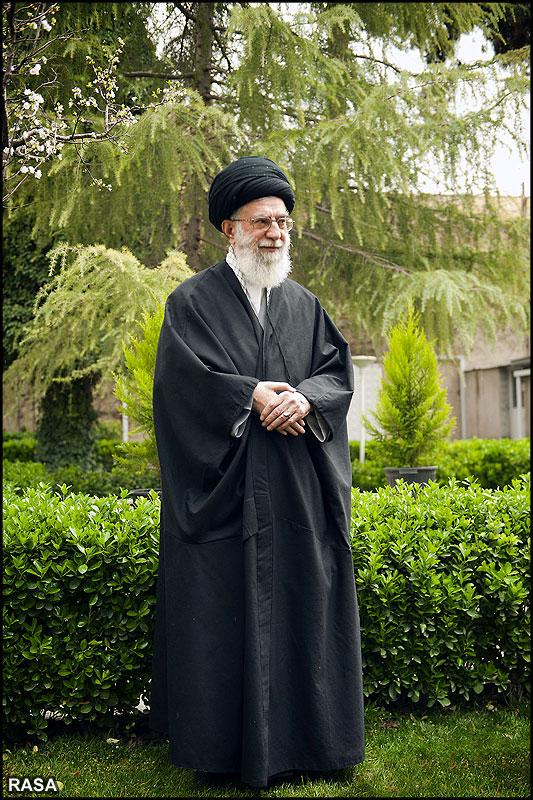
{"points": [[280, 407]]}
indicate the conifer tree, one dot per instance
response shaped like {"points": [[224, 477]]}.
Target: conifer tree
{"points": [[134, 387], [412, 416], [315, 87], [95, 300]]}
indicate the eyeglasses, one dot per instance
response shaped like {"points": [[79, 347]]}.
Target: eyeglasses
{"points": [[264, 223]]}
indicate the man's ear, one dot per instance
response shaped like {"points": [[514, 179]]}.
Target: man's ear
{"points": [[228, 229]]}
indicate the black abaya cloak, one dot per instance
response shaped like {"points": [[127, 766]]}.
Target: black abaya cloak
{"points": [[257, 665]]}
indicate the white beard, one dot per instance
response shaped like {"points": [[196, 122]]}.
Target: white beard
{"points": [[259, 267]]}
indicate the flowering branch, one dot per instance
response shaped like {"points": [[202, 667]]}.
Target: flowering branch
{"points": [[31, 135]]}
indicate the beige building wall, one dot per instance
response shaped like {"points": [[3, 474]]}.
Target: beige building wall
{"points": [[478, 388]]}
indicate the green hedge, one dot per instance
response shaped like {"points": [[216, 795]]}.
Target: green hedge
{"points": [[441, 573], [442, 576], [494, 463], [99, 483], [79, 595], [23, 448]]}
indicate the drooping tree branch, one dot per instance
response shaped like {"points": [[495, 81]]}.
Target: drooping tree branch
{"points": [[378, 261]]}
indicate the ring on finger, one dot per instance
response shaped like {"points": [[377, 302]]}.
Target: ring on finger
{"points": [[287, 413]]}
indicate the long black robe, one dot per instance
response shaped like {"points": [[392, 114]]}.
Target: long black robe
{"points": [[256, 666]]}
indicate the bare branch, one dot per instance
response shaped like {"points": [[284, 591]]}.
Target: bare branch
{"points": [[372, 257], [186, 13], [380, 61], [169, 76]]}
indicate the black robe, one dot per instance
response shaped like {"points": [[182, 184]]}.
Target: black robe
{"points": [[257, 663]]}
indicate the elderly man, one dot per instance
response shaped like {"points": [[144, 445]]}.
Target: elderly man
{"points": [[257, 664]]}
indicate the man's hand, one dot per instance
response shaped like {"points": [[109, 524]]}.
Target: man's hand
{"points": [[280, 407]]}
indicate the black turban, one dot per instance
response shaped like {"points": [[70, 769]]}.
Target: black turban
{"points": [[244, 180]]}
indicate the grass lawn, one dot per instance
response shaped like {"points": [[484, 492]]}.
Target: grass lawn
{"points": [[483, 752]]}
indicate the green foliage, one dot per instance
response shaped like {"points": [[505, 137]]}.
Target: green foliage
{"points": [[171, 149], [24, 271], [368, 476], [134, 388], [412, 414], [94, 301], [97, 26], [105, 451], [442, 576], [493, 463], [21, 475], [20, 449], [79, 595], [441, 573], [315, 87], [109, 430], [65, 431], [23, 448]]}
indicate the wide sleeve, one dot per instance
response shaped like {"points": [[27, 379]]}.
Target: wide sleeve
{"points": [[329, 387], [198, 393]]}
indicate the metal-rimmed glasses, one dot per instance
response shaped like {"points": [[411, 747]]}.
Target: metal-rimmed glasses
{"points": [[263, 223]]}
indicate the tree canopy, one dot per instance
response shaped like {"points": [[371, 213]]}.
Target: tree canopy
{"points": [[92, 304], [315, 87]]}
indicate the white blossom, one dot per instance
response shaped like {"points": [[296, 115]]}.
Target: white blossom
{"points": [[38, 173], [35, 69], [24, 168]]}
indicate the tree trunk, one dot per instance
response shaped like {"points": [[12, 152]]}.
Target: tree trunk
{"points": [[204, 37]]}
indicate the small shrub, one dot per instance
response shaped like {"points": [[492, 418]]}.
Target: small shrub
{"points": [[22, 434], [98, 483], [368, 476], [24, 474], [65, 431], [493, 463], [108, 430], [21, 448], [442, 575], [79, 596], [105, 451], [412, 416]]}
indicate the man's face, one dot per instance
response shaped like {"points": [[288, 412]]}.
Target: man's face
{"points": [[262, 256], [268, 241]]}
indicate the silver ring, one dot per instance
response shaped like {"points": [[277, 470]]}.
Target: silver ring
{"points": [[287, 413]]}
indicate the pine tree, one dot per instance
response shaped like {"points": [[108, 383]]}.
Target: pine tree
{"points": [[93, 303], [315, 87], [134, 387], [412, 415]]}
